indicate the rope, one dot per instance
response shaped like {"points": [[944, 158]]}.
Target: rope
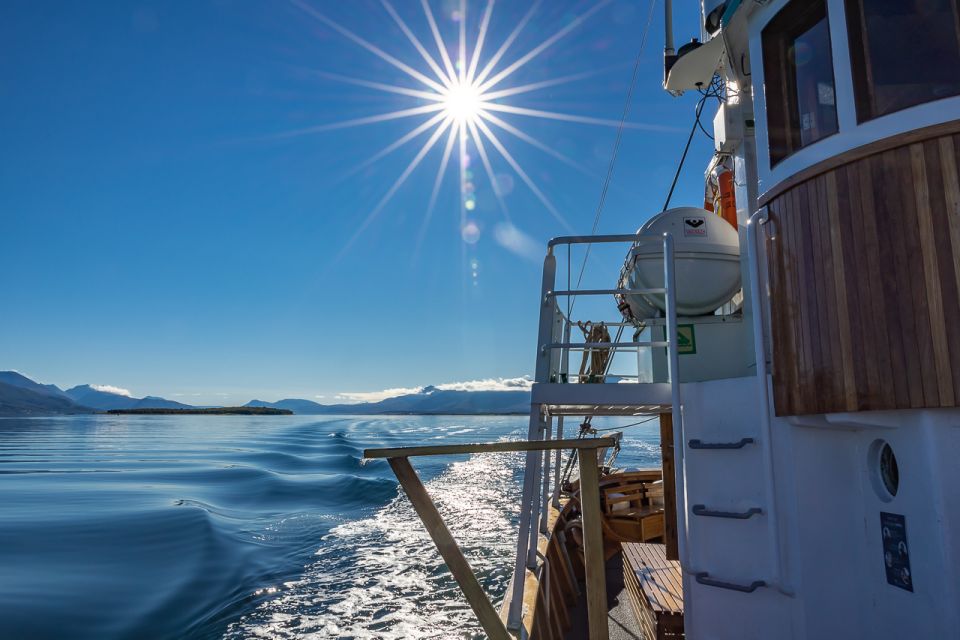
{"points": [[595, 362]]}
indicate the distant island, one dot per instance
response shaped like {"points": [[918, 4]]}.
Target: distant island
{"points": [[20, 396], [215, 411]]}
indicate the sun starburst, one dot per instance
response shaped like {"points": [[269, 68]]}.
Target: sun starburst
{"points": [[462, 102], [460, 99]]}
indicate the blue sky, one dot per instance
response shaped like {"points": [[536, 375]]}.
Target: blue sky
{"points": [[162, 231]]}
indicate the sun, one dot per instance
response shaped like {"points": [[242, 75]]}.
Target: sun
{"points": [[466, 105], [463, 103]]}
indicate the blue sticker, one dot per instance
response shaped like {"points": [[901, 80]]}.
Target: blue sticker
{"points": [[896, 554]]}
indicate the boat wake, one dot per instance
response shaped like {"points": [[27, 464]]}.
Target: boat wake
{"points": [[382, 577]]}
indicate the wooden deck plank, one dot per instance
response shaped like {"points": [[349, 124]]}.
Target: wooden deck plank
{"points": [[659, 580]]}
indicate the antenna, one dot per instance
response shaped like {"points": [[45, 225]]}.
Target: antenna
{"points": [[669, 54]]}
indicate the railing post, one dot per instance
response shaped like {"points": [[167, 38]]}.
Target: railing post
{"points": [[673, 371], [531, 562], [760, 355], [527, 497], [669, 486], [545, 502], [593, 547], [556, 356], [558, 461], [528, 500], [547, 313]]}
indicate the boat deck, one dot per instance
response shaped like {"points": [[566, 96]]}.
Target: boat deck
{"points": [[621, 618]]}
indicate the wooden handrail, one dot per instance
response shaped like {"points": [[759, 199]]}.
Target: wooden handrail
{"points": [[490, 447]]}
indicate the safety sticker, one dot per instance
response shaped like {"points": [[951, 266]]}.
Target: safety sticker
{"points": [[695, 226]]}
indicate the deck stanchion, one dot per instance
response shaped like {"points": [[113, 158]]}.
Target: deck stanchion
{"points": [[528, 501], [673, 369], [545, 502], [593, 547], [449, 551], [535, 504], [557, 465], [669, 487], [527, 497]]}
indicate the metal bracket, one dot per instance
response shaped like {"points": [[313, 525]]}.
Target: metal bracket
{"points": [[705, 579], [699, 444], [701, 510]]}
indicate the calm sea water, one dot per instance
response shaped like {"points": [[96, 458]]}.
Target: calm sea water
{"points": [[248, 527]]}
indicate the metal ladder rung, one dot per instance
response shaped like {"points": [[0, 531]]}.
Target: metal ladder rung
{"points": [[705, 579], [700, 444]]}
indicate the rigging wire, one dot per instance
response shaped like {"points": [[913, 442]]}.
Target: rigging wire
{"points": [[627, 426], [585, 429], [599, 212], [715, 90], [616, 145], [693, 130]]}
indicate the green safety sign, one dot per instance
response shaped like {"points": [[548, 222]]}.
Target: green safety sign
{"points": [[686, 339]]}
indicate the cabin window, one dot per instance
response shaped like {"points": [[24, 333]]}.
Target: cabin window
{"points": [[903, 53], [799, 85]]}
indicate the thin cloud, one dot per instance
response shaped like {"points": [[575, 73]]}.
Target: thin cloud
{"points": [[377, 396], [490, 384], [516, 241], [487, 384], [109, 388]]}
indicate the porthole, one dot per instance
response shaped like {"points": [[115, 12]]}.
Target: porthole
{"points": [[884, 470], [889, 472]]}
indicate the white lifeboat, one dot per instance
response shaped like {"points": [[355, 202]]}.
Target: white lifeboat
{"points": [[707, 259]]}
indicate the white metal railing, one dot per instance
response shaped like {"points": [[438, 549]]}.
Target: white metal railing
{"points": [[560, 341], [760, 306], [554, 346]]}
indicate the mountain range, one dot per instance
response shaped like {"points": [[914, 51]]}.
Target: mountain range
{"points": [[88, 396], [427, 401], [21, 396]]}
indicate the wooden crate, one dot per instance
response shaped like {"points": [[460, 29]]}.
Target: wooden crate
{"points": [[655, 587]]}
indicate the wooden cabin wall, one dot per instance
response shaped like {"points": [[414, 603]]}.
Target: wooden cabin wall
{"points": [[864, 267]]}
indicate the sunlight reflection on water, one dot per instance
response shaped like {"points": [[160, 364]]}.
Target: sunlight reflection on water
{"points": [[381, 577]]}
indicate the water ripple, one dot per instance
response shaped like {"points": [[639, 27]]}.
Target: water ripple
{"points": [[246, 526]]}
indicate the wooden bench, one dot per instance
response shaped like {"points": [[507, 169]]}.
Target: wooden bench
{"points": [[633, 506], [655, 587]]}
